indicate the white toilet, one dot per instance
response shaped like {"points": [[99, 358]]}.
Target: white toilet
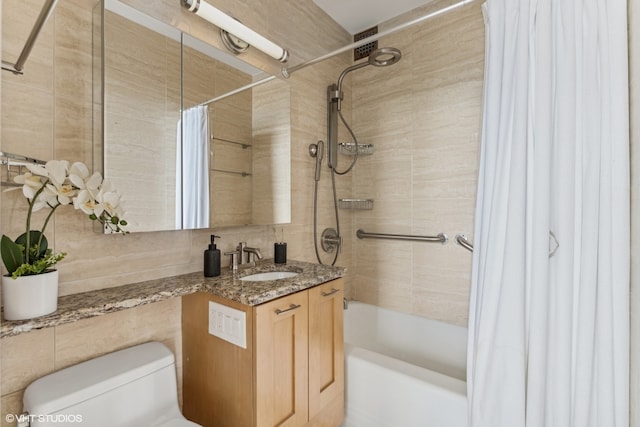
{"points": [[131, 387]]}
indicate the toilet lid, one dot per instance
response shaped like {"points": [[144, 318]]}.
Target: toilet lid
{"points": [[178, 422]]}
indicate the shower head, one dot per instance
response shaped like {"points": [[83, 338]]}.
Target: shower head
{"points": [[378, 58], [384, 56]]}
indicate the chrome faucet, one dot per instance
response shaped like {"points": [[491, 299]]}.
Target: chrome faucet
{"points": [[245, 252], [255, 251], [233, 266]]}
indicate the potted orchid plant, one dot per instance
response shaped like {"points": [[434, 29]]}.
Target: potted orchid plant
{"points": [[29, 257]]}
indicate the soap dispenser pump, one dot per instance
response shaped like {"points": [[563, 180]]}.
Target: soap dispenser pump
{"points": [[212, 259]]}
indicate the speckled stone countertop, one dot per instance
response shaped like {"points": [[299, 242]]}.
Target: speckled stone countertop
{"points": [[72, 308]]}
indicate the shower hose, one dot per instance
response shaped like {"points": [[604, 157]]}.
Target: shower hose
{"points": [[335, 198]]}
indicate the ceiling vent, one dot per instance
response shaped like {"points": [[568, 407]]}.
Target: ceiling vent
{"points": [[364, 50]]}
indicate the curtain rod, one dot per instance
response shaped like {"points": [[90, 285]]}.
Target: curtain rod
{"points": [[47, 10], [240, 89], [286, 71]]}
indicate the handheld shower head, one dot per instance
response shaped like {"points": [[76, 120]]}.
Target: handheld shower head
{"points": [[317, 151]]}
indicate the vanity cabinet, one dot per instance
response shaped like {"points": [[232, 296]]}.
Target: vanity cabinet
{"points": [[291, 372]]}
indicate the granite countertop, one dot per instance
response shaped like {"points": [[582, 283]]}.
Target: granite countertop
{"points": [[72, 308]]}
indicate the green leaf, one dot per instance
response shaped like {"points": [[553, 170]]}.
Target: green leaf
{"points": [[11, 252], [40, 266], [36, 252]]}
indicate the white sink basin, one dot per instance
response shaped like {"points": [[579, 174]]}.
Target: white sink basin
{"points": [[270, 275]]}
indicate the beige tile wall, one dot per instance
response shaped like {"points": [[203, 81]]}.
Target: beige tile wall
{"points": [[422, 175], [29, 356], [47, 113], [423, 115], [271, 125]]}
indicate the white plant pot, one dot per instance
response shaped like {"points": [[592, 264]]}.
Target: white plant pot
{"points": [[30, 296]]}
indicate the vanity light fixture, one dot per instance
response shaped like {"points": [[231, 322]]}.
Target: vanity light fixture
{"points": [[235, 35]]}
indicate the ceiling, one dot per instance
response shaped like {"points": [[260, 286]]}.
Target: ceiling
{"points": [[358, 15]]}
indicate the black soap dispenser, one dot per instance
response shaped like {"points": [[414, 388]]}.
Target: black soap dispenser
{"points": [[212, 259]]}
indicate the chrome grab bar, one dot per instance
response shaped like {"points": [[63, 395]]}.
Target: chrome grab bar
{"points": [[462, 240], [441, 237]]}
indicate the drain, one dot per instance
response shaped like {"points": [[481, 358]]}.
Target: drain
{"points": [[364, 50]]}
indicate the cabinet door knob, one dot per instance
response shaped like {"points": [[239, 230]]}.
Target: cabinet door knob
{"points": [[291, 307], [331, 292]]}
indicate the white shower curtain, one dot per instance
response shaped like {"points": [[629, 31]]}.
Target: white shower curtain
{"points": [[549, 319], [192, 164]]}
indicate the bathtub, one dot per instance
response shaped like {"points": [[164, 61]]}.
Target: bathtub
{"points": [[403, 370]]}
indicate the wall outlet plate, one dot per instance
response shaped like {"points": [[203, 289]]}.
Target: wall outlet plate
{"points": [[228, 324]]}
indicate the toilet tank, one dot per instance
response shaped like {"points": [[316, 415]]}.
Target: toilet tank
{"points": [[131, 387]]}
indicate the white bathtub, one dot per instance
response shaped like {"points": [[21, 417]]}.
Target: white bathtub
{"points": [[403, 370]]}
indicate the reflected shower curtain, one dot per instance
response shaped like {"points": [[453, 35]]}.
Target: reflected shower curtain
{"points": [[549, 319], [192, 174]]}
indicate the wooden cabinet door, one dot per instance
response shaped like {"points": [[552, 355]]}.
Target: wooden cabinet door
{"points": [[326, 346], [217, 375], [282, 365]]}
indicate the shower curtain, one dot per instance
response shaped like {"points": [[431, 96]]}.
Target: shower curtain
{"points": [[192, 164], [549, 318]]}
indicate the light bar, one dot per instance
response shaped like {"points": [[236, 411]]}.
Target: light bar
{"points": [[232, 26]]}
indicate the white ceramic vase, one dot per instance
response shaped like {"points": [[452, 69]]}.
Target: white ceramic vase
{"points": [[30, 296]]}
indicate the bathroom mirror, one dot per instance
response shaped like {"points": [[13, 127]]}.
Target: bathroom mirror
{"points": [[239, 173], [249, 141]]}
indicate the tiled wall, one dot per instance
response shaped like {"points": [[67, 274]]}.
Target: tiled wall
{"points": [[57, 90], [29, 356], [47, 113], [422, 175], [423, 116], [50, 116]]}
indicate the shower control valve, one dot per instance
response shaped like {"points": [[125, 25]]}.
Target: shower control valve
{"points": [[331, 240]]}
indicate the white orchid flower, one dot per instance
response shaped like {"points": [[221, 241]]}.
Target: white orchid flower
{"points": [[78, 173], [57, 170], [39, 204], [37, 169], [83, 181], [60, 186], [62, 192], [86, 203], [109, 201], [30, 184], [45, 199], [54, 184], [94, 181]]}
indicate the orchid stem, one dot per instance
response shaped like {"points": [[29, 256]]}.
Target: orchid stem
{"points": [[46, 221], [28, 236]]}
